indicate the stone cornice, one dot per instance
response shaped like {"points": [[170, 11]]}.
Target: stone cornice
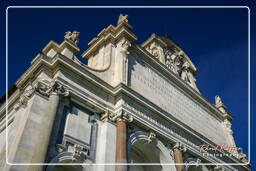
{"points": [[58, 48], [110, 36]]}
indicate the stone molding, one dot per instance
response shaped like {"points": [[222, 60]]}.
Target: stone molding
{"points": [[118, 116], [44, 88]]}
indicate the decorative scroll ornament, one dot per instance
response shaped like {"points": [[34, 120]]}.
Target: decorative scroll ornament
{"points": [[151, 137], [118, 116], [179, 147], [72, 37], [228, 125], [124, 47], [77, 153], [59, 89], [45, 88]]}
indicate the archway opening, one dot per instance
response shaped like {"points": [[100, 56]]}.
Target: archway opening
{"points": [[144, 152], [67, 167]]}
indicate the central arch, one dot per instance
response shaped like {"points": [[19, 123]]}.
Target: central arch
{"points": [[143, 150]]}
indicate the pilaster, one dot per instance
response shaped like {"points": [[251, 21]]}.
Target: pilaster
{"points": [[31, 142]]}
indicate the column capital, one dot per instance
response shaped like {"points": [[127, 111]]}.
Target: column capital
{"points": [[178, 146], [117, 116], [46, 88]]}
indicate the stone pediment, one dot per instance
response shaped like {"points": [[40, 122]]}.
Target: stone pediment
{"points": [[171, 55]]}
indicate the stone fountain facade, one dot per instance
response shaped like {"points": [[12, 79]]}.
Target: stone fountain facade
{"points": [[130, 104]]}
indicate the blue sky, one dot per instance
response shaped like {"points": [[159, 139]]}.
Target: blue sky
{"points": [[216, 40]]}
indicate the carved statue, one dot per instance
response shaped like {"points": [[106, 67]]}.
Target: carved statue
{"points": [[242, 157], [122, 18], [172, 61], [72, 37], [218, 101], [187, 75], [156, 51]]}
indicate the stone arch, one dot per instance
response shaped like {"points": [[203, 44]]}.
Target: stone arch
{"points": [[163, 153], [66, 157], [193, 165]]}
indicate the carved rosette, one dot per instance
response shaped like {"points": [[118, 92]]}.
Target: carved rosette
{"points": [[125, 44], [118, 116]]}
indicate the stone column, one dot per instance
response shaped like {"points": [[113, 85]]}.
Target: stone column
{"points": [[122, 119], [32, 139], [178, 148], [121, 144]]}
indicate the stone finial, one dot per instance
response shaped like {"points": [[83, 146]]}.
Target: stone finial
{"points": [[72, 37], [122, 18]]}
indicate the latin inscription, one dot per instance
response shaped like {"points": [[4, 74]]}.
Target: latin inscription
{"points": [[154, 87]]}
